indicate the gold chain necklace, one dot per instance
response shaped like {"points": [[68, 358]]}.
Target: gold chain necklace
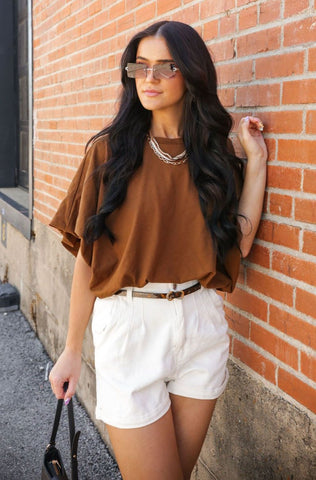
{"points": [[164, 156]]}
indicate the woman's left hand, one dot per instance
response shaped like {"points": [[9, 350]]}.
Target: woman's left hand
{"points": [[250, 136]]}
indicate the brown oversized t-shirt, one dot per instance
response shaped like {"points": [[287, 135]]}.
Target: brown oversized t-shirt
{"points": [[161, 234]]}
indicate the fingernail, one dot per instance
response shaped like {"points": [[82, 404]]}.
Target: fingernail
{"points": [[67, 400], [261, 127]]}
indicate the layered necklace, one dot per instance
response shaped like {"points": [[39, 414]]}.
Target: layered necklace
{"points": [[164, 156]]}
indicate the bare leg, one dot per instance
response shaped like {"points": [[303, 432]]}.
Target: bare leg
{"points": [[149, 452], [191, 419], [168, 448]]}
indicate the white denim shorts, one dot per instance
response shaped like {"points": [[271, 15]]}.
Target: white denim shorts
{"points": [[146, 348]]}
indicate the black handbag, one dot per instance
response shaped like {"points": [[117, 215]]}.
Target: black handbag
{"points": [[53, 467]]}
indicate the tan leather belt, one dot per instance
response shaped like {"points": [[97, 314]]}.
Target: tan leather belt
{"points": [[169, 296]]}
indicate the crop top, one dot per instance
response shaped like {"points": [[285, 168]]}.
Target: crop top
{"points": [[161, 234]]}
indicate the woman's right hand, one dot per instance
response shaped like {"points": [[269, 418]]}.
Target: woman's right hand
{"points": [[66, 369]]}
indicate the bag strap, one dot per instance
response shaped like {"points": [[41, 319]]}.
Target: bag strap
{"points": [[73, 435], [56, 421], [74, 438]]}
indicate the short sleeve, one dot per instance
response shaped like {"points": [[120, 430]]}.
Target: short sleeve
{"points": [[227, 273], [82, 200]]}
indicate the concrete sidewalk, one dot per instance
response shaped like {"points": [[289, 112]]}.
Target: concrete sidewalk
{"points": [[27, 408]]}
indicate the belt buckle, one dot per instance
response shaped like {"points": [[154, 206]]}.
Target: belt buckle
{"points": [[172, 294]]}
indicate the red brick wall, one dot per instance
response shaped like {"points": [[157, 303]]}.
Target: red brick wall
{"points": [[265, 56]]}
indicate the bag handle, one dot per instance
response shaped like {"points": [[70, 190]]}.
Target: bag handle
{"points": [[74, 439], [73, 435], [56, 421]]}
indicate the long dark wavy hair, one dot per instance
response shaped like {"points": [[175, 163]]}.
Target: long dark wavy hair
{"points": [[215, 171]]}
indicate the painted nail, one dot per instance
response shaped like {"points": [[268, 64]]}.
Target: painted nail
{"points": [[261, 127], [67, 400]]}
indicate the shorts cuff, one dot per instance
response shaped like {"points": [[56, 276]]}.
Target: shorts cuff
{"points": [[185, 391], [143, 421]]}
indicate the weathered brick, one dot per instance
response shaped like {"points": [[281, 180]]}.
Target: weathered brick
{"points": [[299, 32], [293, 326], [212, 8], [254, 360], [248, 17], [309, 242], [283, 65], [280, 234], [309, 181], [286, 121], [210, 30], [308, 365], [312, 59], [249, 303], [299, 91], [146, 13], [270, 287], [190, 15], [298, 151], [269, 11], [223, 50], [301, 391], [234, 72], [164, 6], [274, 345], [237, 322], [294, 267], [261, 41], [227, 24], [293, 8], [258, 95], [280, 204], [311, 122], [305, 210], [305, 302], [227, 96], [284, 177]]}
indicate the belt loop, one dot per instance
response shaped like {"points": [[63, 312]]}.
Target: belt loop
{"points": [[129, 293]]}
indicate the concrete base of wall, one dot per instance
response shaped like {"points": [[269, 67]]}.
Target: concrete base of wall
{"points": [[255, 433]]}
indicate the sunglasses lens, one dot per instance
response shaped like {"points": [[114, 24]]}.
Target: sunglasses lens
{"points": [[136, 70], [165, 70]]}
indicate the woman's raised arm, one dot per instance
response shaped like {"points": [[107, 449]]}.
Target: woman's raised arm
{"points": [[251, 199]]}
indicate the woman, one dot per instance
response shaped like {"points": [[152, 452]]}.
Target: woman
{"points": [[159, 210]]}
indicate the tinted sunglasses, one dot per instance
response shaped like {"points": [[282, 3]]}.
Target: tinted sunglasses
{"points": [[160, 71]]}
